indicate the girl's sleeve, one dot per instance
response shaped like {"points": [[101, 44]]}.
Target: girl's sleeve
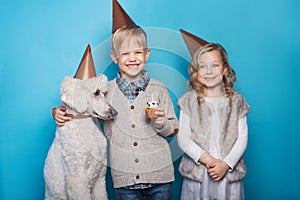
{"points": [[240, 145], [184, 140]]}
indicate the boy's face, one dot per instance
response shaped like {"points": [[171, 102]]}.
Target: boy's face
{"points": [[131, 59]]}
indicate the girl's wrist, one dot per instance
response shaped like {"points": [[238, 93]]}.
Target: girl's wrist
{"points": [[202, 159]]}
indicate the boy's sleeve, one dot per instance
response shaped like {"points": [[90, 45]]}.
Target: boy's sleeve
{"points": [[170, 127]]}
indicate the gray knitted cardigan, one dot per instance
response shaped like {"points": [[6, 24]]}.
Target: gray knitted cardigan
{"points": [[139, 153], [199, 113]]}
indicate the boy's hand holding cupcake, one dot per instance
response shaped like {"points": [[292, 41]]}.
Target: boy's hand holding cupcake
{"points": [[152, 107], [153, 111]]}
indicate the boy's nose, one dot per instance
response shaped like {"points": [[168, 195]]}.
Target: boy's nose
{"points": [[131, 56]]}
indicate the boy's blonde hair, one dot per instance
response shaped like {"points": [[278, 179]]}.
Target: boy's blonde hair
{"points": [[228, 78], [129, 34]]}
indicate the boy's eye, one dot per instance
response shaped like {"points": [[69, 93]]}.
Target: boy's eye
{"points": [[97, 93], [124, 54]]}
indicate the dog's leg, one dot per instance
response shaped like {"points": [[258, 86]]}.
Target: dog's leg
{"points": [[99, 190], [74, 163], [77, 187], [54, 173]]}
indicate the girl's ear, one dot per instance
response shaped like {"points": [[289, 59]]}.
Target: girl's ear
{"points": [[225, 70], [113, 57]]}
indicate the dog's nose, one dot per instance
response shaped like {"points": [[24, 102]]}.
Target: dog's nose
{"points": [[113, 111]]}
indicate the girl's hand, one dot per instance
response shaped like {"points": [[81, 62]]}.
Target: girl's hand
{"points": [[218, 170], [208, 160], [159, 122], [59, 115]]}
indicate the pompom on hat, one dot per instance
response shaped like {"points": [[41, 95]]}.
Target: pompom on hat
{"points": [[192, 42], [120, 17], [86, 68]]}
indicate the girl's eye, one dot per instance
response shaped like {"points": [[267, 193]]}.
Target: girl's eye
{"points": [[201, 66], [97, 93], [215, 65]]}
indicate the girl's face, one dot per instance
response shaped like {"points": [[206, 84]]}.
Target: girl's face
{"points": [[131, 60], [211, 70]]}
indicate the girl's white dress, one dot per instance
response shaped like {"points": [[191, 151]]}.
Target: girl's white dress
{"points": [[208, 188]]}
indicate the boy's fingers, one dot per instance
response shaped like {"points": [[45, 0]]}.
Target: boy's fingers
{"points": [[66, 118], [160, 112], [159, 119], [62, 118]]}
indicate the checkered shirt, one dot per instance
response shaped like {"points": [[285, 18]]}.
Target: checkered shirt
{"points": [[132, 89]]}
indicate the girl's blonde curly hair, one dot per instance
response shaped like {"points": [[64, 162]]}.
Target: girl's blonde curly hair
{"points": [[228, 78]]}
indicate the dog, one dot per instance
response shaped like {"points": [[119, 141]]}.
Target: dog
{"points": [[75, 166]]}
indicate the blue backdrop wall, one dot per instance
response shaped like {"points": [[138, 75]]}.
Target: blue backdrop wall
{"points": [[43, 41]]}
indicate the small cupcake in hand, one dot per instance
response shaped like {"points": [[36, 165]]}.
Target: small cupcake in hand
{"points": [[151, 109]]}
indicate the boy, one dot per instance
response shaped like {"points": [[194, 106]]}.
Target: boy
{"points": [[140, 157]]}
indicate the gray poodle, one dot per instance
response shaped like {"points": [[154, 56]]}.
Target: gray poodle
{"points": [[75, 166]]}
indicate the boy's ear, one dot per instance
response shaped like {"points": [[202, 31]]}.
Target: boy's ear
{"points": [[147, 54], [113, 57]]}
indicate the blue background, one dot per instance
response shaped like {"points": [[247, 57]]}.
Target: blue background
{"points": [[43, 41]]}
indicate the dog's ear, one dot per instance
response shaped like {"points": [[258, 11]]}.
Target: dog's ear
{"points": [[73, 95], [102, 82]]}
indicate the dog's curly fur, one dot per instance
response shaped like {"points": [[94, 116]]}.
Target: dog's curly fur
{"points": [[75, 166]]}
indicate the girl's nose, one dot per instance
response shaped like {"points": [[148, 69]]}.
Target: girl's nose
{"points": [[208, 70]]}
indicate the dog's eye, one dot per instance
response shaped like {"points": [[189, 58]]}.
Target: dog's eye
{"points": [[97, 93]]}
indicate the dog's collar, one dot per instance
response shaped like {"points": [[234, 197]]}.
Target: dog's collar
{"points": [[78, 116]]}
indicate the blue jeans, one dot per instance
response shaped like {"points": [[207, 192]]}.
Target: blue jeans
{"points": [[157, 192]]}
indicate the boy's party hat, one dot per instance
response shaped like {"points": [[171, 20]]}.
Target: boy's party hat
{"points": [[120, 17], [192, 42], [86, 69]]}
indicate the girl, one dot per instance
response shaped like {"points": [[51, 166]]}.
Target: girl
{"points": [[213, 130]]}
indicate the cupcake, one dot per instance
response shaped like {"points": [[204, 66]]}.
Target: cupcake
{"points": [[151, 109]]}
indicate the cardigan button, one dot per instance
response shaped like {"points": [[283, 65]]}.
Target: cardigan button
{"points": [[132, 125], [137, 177], [136, 160], [132, 107], [135, 144]]}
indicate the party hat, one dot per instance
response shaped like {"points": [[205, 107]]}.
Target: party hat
{"points": [[120, 17], [192, 42], [86, 69]]}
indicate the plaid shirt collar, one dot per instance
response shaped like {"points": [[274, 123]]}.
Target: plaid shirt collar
{"points": [[132, 89]]}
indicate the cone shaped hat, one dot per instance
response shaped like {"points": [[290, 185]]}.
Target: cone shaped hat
{"points": [[120, 17], [192, 42], [86, 69]]}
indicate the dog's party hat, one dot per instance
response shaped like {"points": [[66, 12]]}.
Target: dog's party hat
{"points": [[86, 69], [192, 42], [120, 17]]}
